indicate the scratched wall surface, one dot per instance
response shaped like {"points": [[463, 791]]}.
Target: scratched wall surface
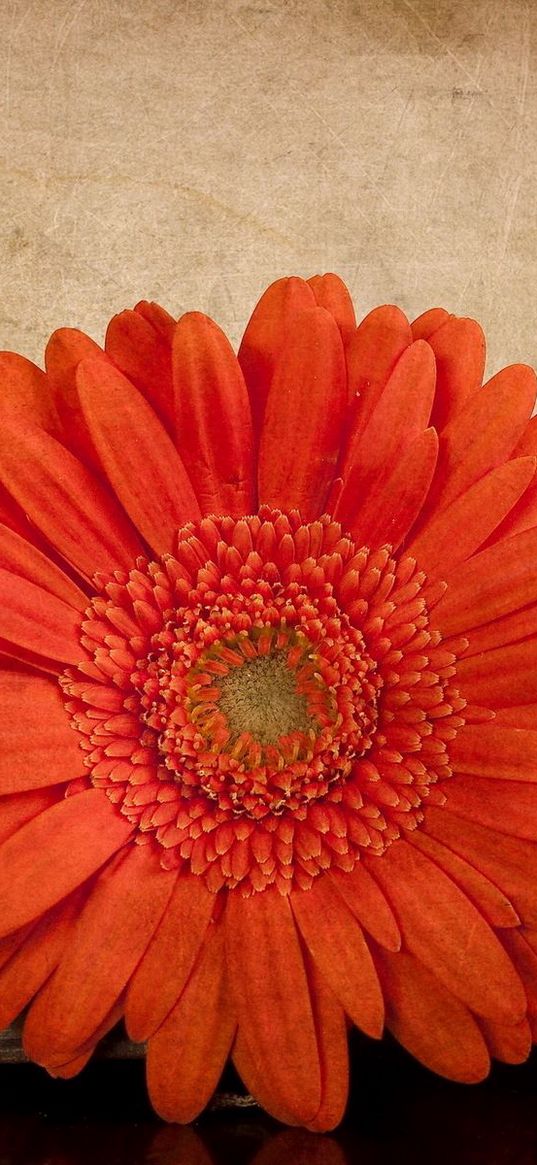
{"points": [[193, 151]]}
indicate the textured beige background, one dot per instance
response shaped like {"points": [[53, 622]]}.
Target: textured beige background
{"points": [[194, 151]]}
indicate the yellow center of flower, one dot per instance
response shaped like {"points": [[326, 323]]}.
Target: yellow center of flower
{"points": [[261, 698], [269, 702]]}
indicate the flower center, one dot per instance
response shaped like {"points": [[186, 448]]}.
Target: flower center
{"points": [[261, 699], [268, 702]]}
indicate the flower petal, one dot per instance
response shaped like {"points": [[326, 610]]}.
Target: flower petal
{"points": [[459, 349], [65, 350], [119, 918], [16, 809], [508, 1042], [400, 416], [186, 1057], [492, 902], [54, 852], [442, 928], [336, 942], [431, 1022], [454, 534], [213, 423], [502, 677], [303, 417], [22, 558], [331, 1028], [331, 293], [36, 959], [163, 971], [137, 454], [524, 957], [509, 862], [256, 1079], [386, 513], [26, 392], [484, 432], [380, 339], [273, 317], [489, 750], [272, 997], [79, 518], [510, 808], [367, 902], [142, 351], [493, 583], [39, 746], [429, 322], [37, 620]]}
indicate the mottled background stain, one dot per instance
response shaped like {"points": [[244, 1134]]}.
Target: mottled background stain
{"points": [[194, 151]]}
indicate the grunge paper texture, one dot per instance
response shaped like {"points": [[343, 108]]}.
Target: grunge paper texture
{"points": [[191, 152]]}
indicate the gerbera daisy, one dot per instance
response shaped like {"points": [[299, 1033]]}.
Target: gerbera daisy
{"points": [[269, 697]]}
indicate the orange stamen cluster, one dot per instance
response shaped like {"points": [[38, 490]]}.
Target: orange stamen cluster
{"points": [[269, 701]]}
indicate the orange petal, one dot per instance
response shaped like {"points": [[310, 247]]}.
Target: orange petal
{"points": [[39, 747], [336, 942], [493, 583], [508, 1042], [37, 620], [26, 392], [161, 321], [386, 513], [509, 862], [332, 1039], [402, 413], [22, 558], [519, 716], [65, 350], [367, 902], [18, 808], [492, 902], [459, 349], [502, 677], [142, 351], [429, 1021], [303, 417], [443, 929], [258, 1083], [118, 919], [137, 454], [501, 632], [454, 534], [331, 293], [55, 852], [509, 806], [489, 750], [271, 321], [527, 446], [79, 518], [521, 952], [164, 969], [380, 339], [430, 321], [485, 431], [272, 997], [186, 1057], [36, 959], [213, 423], [522, 517]]}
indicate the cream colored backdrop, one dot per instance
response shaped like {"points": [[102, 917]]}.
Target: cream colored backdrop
{"points": [[192, 152]]}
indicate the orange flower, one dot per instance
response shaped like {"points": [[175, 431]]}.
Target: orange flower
{"points": [[269, 698]]}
